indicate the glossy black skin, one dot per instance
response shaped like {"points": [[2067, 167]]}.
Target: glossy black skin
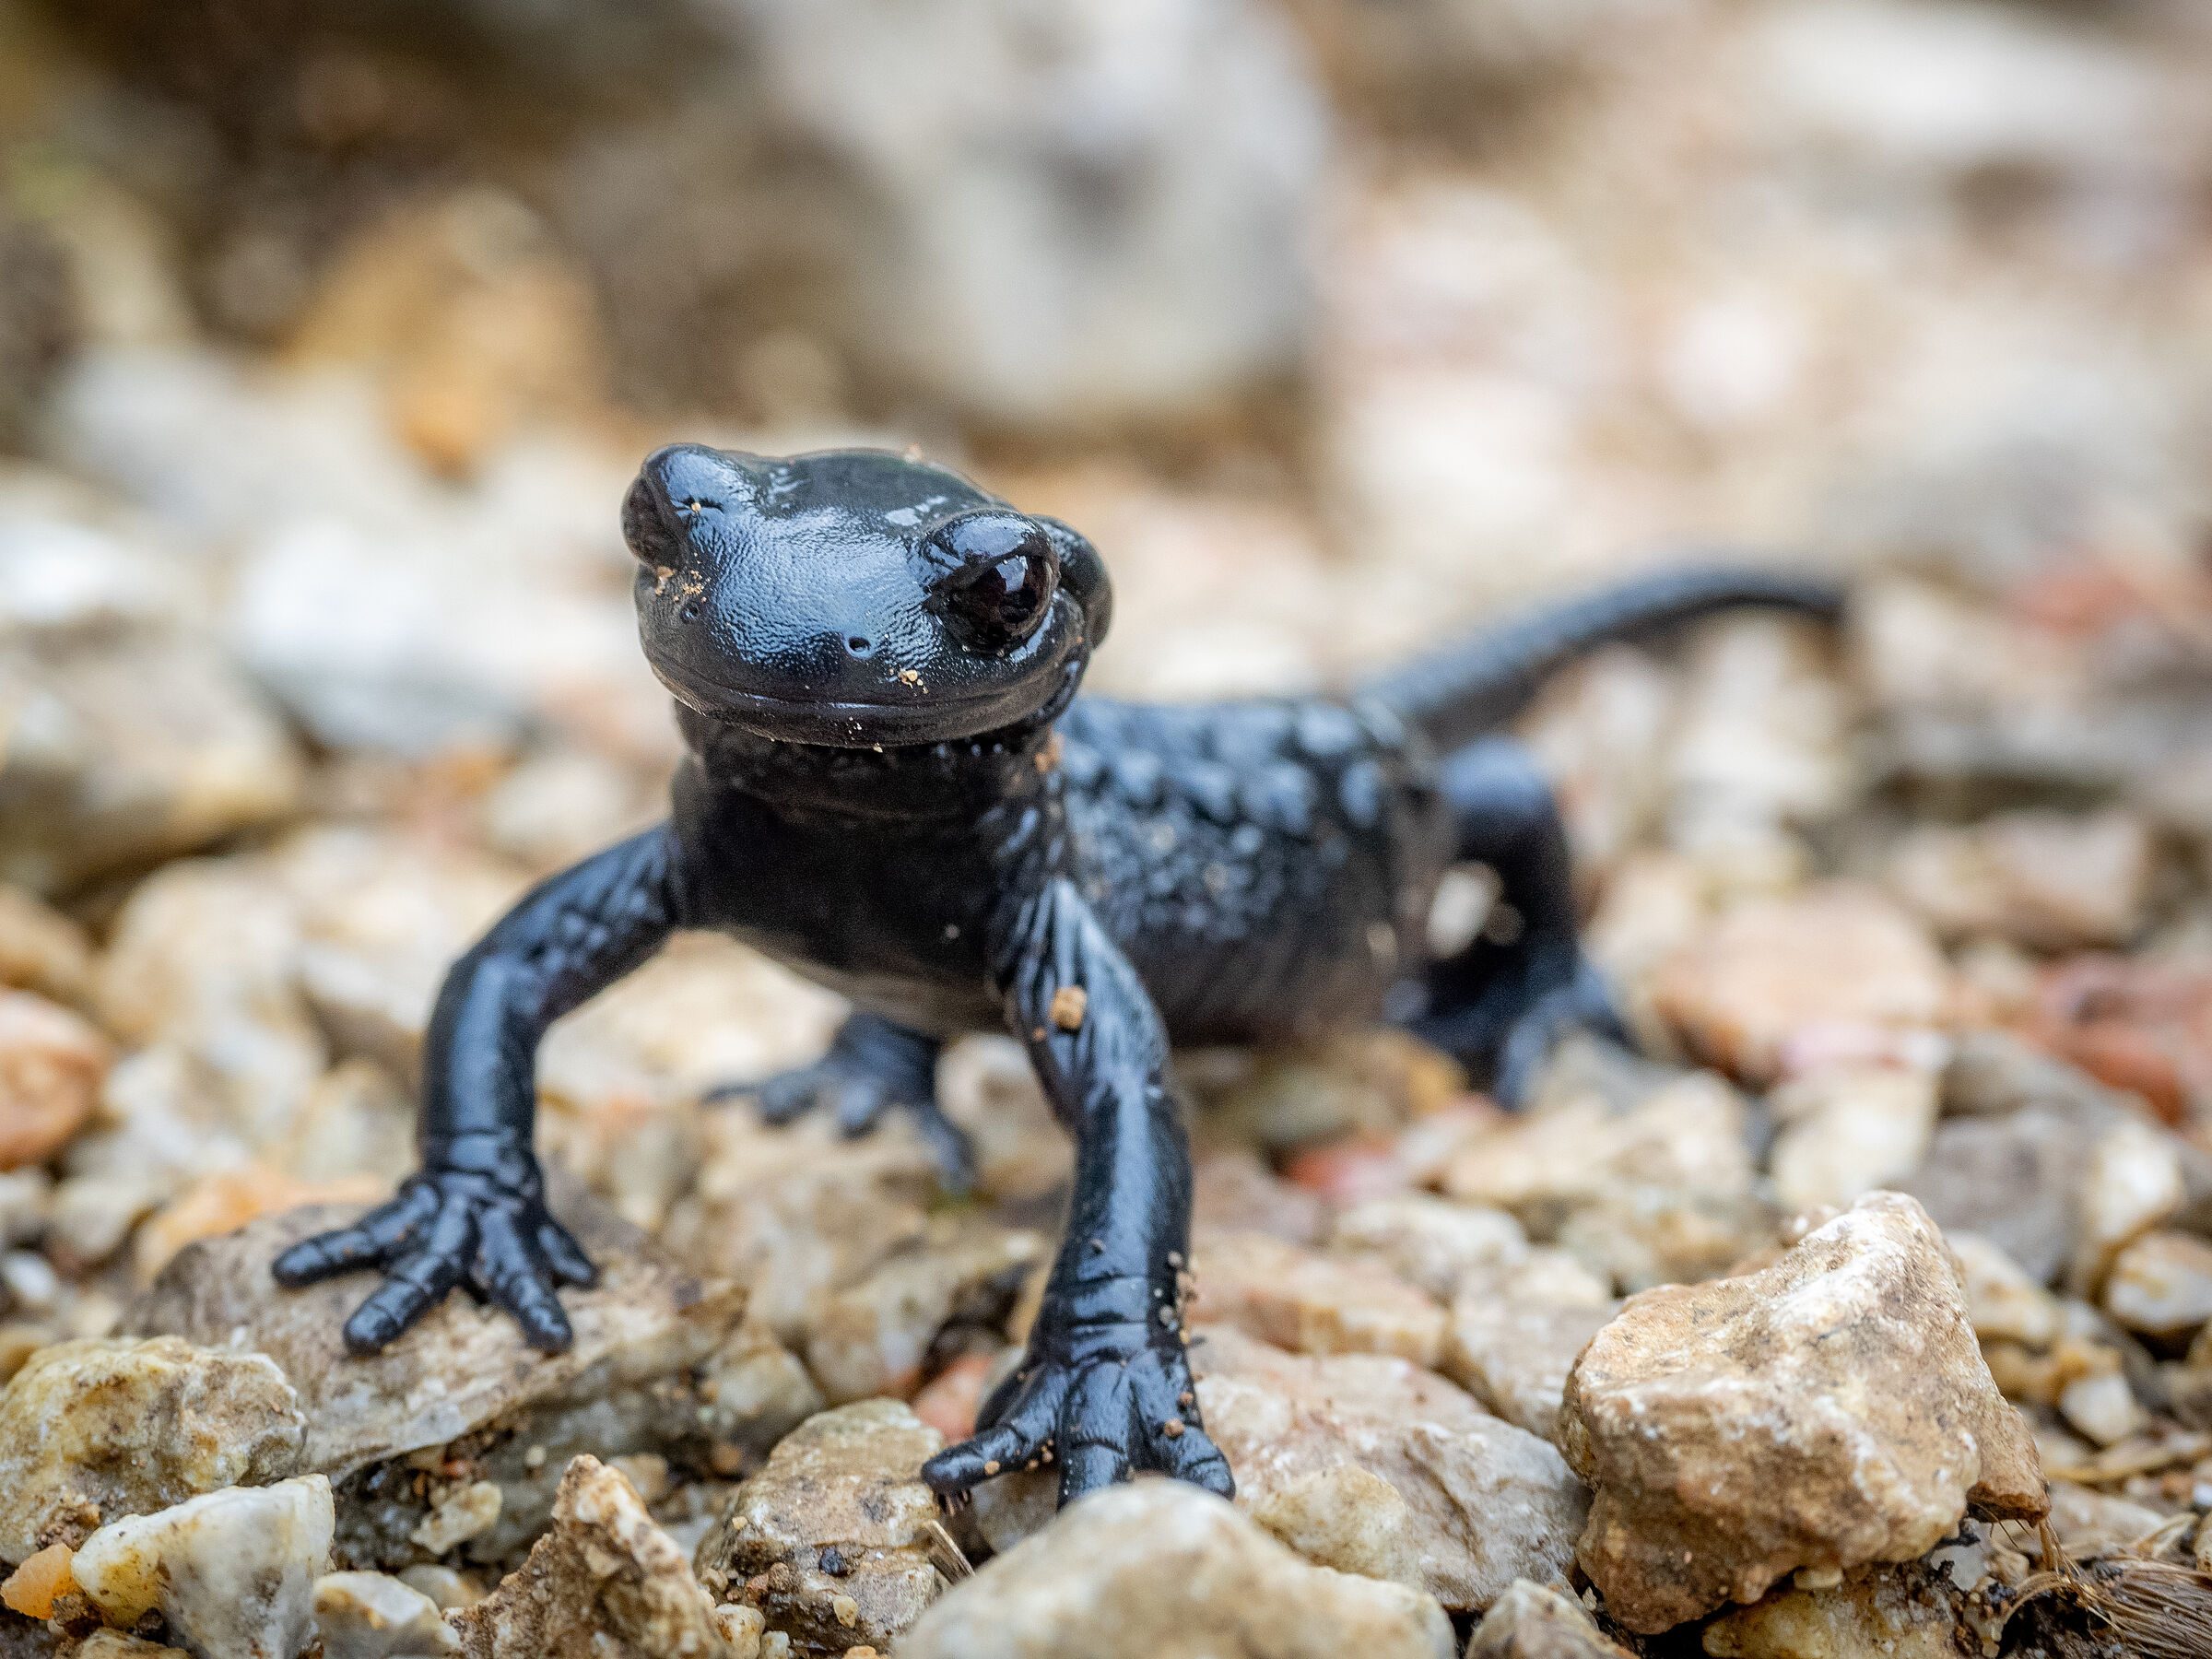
{"points": [[892, 792]]}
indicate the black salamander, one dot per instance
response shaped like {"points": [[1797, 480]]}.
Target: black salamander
{"points": [[892, 787]]}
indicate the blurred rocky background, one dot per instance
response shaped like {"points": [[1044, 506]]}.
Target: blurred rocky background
{"points": [[329, 336]]}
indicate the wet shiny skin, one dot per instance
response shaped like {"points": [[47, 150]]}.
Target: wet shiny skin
{"points": [[891, 786]]}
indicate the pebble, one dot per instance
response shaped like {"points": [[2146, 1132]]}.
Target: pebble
{"points": [[2004, 1303], [2014, 1180], [1162, 1569], [95, 1429], [43, 950], [2160, 1286], [2047, 880], [1428, 1241], [2101, 1405], [1877, 1611], [1770, 968], [1472, 1503], [1513, 1353], [872, 1338], [1534, 1621], [1848, 1131], [234, 1572], [626, 1385], [846, 1483], [797, 1215], [374, 1616], [1309, 1302], [1730, 1438], [2132, 1179], [51, 1064], [604, 1580], [1577, 1149]]}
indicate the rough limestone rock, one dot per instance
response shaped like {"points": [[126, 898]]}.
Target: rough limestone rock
{"points": [[460, 1369], [1899, 1612], [831, 1540], [1513, 1353], [1530, 1621], [604, 1584], [1430, 1241], [1164, 1570], [374, 1616], [2014, 1179], [1299, 1298], [1773, 969], [234, 1572], [96, 1429], [1830, 1410], [1309, 1439], [52, 1062], [872, 1337]]}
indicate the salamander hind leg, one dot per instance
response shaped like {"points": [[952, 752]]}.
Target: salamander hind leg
{"points": [[1500, 1005], [872, 1065]]}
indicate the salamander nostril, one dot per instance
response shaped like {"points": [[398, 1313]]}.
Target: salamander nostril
{"points": [[859, 646]]}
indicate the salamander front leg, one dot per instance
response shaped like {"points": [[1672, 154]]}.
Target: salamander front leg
{"points": [[1105, 1387]]}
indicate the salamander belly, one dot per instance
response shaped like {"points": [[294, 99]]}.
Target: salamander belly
{"points": [[1268, 866]]}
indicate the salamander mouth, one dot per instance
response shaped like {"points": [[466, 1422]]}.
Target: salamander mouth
{"points": [[860, 725]]}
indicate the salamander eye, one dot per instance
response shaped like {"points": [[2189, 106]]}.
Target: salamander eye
{"points": [[1001, 583]]}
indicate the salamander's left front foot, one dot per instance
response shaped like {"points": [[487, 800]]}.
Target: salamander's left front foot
{"points": [[1099, 1401], [477, 1219]]}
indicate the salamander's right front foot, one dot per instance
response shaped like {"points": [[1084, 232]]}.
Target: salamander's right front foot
{"points": [[486, 1229]]}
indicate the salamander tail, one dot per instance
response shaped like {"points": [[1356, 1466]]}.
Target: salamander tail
{"points": [[1456, 694]]}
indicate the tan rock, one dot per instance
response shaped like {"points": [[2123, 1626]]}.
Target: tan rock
{"points": [[646, 1323], [1512, 1353], [872, 1337], [227, 1200], [1428, 1241], [1482, 1502], [1849, 1130], [2048, 880], [2132, 1180], [831, 1540], [31, 1588], [1686, 1136], [1310, 1303], [2161, 1284], [234, 1572], [1770, 969], [374, 1616], [2101, 1405], [2014, 1179], [147, 742], [797, 1215], [1232, 1190], [753, 1390], [92, 1430], [52, 1062], [1162, 1569], [1899, 1613], [2090, 1523], [1830, 1410], [2002, 1300], [1531, 1621], [43, 950], [604, 1584]]}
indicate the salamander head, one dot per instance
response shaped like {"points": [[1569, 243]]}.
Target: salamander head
{"points": [[855, 598]]}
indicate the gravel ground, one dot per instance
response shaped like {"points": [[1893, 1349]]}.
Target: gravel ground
{"points": [[1866, 1310]]}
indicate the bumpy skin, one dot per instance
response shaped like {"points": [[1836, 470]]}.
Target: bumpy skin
{"points": [[891, 786]]}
